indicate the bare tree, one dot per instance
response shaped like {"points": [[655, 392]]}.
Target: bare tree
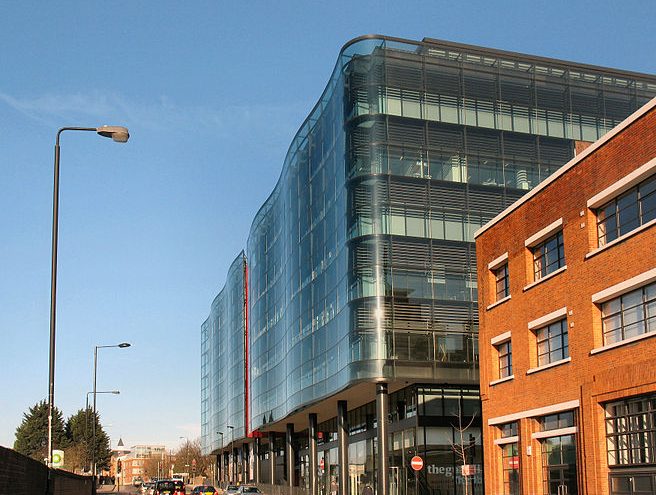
{"points": [[460, 447], [189, 454]]}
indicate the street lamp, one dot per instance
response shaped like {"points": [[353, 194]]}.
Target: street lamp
{"points": [[120, 135], [86, 408], [86, 420], [122, 345]]}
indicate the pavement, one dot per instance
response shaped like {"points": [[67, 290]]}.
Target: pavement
{"points": [[123, 490]]}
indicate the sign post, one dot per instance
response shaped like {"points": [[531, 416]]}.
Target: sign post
{"points": [[57, 458], [417, 464]]}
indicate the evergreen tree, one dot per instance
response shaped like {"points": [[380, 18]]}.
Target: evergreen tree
{"points": [[79, 431], [32, 434]]}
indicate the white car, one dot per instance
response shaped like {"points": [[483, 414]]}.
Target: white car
{"points": [[244, 489]]}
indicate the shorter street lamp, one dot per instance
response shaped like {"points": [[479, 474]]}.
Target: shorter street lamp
{"points": [[86, 415], [86, 407], [122, 345]]}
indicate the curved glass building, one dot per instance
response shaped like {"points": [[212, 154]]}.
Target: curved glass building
{"points": [[223, 362], [362, 317]]}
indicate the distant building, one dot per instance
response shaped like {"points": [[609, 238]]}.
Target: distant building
{"points": [[141, 462], [567, 291], [351, 318]]}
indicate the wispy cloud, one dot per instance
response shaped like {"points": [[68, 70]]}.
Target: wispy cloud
{"points": [[158, 114]]}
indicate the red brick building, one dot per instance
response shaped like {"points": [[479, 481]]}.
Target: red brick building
{"points": [[567, 302]]}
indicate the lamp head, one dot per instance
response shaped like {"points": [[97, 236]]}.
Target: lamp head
{"points": [[118, 133], [123, 345]]}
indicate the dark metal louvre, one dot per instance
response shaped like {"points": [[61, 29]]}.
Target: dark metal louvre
{"points": [[483, 142], [406, 75], [480, 85], [518, 146], [510, 197], [515, 90], [449, 314], [555, 150], [408, 192], [370, 252], [443, 80], [586, 100], [618, 106], [445, 136], [410, 254], [358, 75], [412, 316], [405, 132], [552, 97], [456, 254], [368, 132], [486, 201], [444, 196]]}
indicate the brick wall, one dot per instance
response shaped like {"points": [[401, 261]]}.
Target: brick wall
{"points": [[21, 475], [591, 379]]}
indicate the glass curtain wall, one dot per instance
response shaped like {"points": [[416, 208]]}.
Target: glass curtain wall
{"points": [[362, 264], [222, 363]]}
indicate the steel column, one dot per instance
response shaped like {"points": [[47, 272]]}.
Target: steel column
{"points": [[245, 453], [256, 461], [342, 447], [382, 412], [272, 457], [312, 448], [289, 454]]}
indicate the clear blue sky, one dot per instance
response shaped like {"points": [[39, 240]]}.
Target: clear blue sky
{"points": [[213, 93]]}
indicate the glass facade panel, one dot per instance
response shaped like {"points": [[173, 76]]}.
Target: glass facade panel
{"points": [[361, 263], [223, 363]]}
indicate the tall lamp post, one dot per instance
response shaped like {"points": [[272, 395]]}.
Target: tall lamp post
{"points": [[122, 345], [120, 135]]}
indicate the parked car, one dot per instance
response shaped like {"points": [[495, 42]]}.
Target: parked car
{"points": [[148, 488], [248, 489], [204, 490], [231, 490], [169, 487]]}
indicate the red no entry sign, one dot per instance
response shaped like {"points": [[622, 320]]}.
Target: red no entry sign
{"points": [[417, 463]]}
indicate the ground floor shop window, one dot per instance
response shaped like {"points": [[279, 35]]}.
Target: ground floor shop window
{"points": [[559, 465], [635, 483], [510, 462], [631, 431], [631, 444]]}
